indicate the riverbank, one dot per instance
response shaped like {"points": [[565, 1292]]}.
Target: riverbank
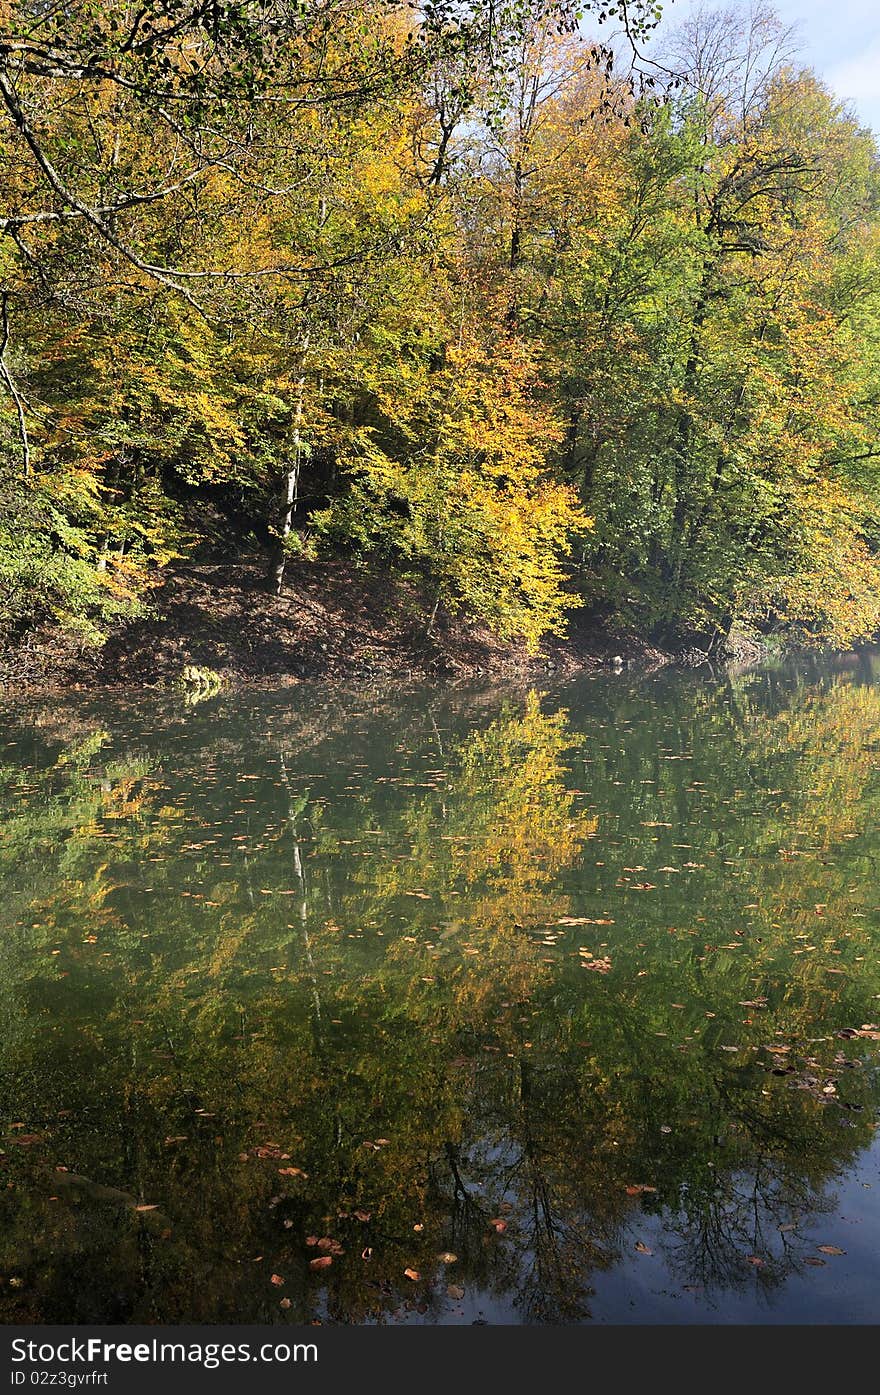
{"points": [[330, 623]]}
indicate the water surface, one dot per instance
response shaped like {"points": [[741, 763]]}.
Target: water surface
{"points": [[523, 1006]]}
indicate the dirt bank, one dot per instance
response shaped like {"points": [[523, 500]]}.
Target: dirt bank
{"points": [[331, 622]]}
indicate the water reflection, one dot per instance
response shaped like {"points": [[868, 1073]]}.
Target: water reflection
{"points": [[526, 1007]]}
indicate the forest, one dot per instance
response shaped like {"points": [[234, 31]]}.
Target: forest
{"points": [[513, 301]]}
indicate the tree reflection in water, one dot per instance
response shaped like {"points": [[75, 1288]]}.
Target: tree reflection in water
{"points": [[512, 992]]}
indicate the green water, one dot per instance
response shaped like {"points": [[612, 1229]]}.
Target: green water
{"points": [[548, 998]]}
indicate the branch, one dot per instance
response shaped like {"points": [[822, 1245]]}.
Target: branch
{"points": [[845, 459], [160, 274], [10, 385]]}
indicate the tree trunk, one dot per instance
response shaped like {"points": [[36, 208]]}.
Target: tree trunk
{"points": [[290, 490]]}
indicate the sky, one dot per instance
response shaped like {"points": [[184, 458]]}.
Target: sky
{"points": [[840, 40]]}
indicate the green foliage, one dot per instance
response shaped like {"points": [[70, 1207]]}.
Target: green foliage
{"points": [[50, 566]]}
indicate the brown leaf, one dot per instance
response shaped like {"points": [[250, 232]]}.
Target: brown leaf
{"points": [[598, 966], [322, 1262], [361, 1215], [153, 1207], [412, 1274], [277, 1280], [292, 1172], [643, 1249], [830, 1250], [285, 1303], [330, 1245], [498, 1225], [455, 1291]]}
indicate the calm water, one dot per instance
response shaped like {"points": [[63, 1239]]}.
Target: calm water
{"points": [[505, 1006]]}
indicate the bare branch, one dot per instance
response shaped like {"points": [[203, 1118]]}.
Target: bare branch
{"points": [[11, 388]]}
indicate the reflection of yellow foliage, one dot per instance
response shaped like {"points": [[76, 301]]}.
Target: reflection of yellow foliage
{"points": [[489, 849], [845, 724]]}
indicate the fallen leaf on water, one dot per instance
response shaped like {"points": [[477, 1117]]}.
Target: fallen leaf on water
{"points": [[322, 1262], [285, 1303], [498, 1225], [754, 1259], [582, 920], [447, 1257], [361, 1215], [830, 1250], [816, 1262], [292, 1172], [455, 1291], [330, 1246], [277, 1280], [643, 1249], [153, 1207], [412, 1274]]}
